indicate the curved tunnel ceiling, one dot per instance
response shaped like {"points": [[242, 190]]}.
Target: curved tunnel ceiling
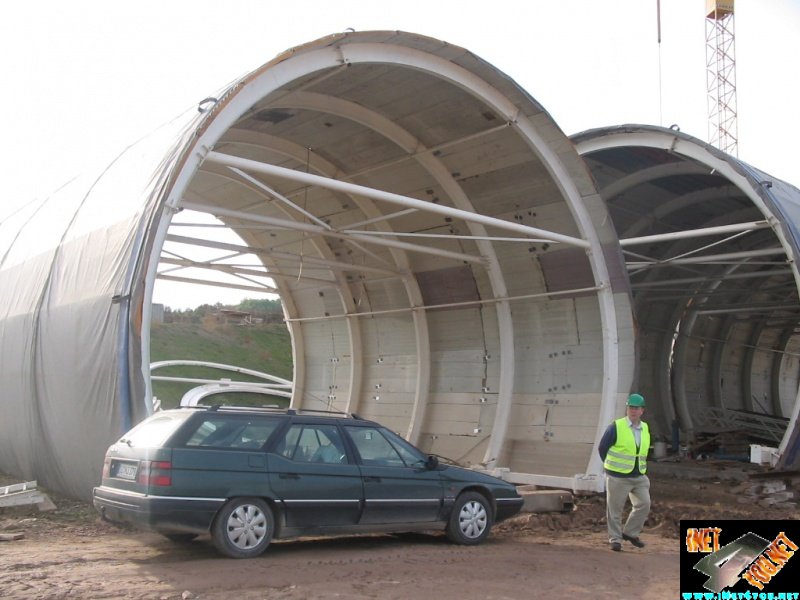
{"points": [[711, 247], [445, 262]]}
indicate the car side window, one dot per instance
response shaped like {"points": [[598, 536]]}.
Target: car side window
{"points": [[305, 442], [374, 448], [221, 432]]}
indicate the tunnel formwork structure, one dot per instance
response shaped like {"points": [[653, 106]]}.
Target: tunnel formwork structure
{"points": [[444, 260], [711, 245], [446, 263]]}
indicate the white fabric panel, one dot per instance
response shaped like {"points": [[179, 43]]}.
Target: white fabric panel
{"points": [[68, 378]]}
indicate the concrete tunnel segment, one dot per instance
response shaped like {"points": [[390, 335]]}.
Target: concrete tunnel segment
{"points": [[460, 281]]}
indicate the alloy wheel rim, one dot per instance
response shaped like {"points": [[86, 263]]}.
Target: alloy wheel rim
{"points": [[472, 519], [247, 527]]}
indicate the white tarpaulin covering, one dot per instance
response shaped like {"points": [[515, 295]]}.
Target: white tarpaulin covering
{"points": [[69, 266]]}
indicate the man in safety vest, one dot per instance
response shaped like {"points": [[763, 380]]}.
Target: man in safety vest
{"points": [[623, 448]]}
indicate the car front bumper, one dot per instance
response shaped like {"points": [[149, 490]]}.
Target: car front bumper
{"points": [[508, 507]]}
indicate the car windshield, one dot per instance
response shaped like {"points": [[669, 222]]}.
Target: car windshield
{"points": [[155, 430]]}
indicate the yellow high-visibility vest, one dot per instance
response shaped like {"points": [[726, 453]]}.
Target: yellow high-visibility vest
{"points": [[622, 456]]}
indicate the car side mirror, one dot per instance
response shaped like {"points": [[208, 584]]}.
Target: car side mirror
{"points": [[432, 462]]}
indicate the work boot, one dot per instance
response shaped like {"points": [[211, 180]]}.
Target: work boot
{"points": [[633, 540]]}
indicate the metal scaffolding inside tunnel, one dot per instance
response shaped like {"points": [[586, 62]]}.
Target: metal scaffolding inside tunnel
{"points": [[713, 278]]}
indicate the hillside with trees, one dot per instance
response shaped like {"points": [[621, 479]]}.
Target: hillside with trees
{"points": [[207, 334]]}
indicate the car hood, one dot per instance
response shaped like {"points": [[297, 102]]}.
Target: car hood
{"points": [[454, 473]]}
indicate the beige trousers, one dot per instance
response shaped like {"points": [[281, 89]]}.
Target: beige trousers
{"points": [[618, 490]]}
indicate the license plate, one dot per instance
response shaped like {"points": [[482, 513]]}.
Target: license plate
{"points": [[126, 471]]}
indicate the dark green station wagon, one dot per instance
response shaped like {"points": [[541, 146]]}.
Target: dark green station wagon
{"points": [[248, 475]]}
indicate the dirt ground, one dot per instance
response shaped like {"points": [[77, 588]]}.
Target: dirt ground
{"points": [[71, 553]]}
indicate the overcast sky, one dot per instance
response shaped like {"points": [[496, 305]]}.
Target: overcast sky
{"points": [[81, 79]]}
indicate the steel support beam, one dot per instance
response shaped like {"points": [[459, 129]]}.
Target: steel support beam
{"points": [[694, 233], [297, 226], [239, 271], [708, 259], [352, 188], [326, 263], [685, 280]]}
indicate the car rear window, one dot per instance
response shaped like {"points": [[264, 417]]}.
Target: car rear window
{"points": [[154, 430]]}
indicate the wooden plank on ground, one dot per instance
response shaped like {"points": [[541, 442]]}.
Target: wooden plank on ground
{"points": [[20, 498], [20, 494]]}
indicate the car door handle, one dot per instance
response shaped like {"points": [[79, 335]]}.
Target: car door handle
{"points": [[288, 475], [371, 478]]}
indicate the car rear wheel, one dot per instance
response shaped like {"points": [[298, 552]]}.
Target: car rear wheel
{"points": [[243, 528], [470, 520]]}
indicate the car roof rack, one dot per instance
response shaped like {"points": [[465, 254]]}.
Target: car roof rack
{"points": [[278, 409], [233, 408]]}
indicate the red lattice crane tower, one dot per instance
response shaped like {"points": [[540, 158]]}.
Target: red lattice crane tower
{"points": [[721, 76]]}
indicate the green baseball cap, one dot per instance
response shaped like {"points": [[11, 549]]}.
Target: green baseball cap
{"points": [[635, 400]]}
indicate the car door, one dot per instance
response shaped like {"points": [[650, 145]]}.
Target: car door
{"points": [[222, 455], [398, 485], [315, 477]]}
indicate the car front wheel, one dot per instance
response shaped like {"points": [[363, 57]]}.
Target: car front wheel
{"points": [[243, 528], [470, 520]]}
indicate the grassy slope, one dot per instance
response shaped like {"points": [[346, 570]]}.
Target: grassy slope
{"points": [[265, 348]]}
